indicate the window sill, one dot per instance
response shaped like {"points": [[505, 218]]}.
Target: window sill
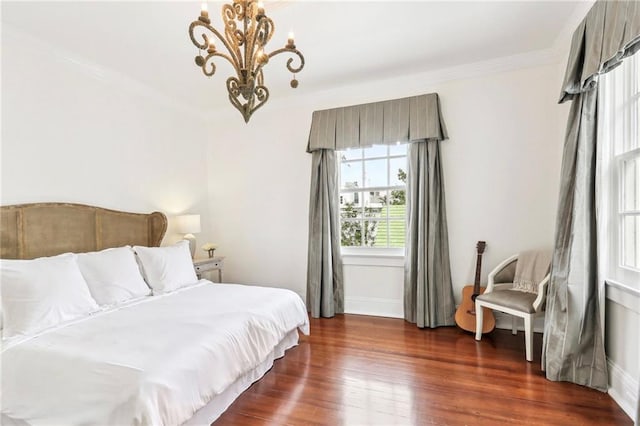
{"points": [[373, 257], [622, 294]]}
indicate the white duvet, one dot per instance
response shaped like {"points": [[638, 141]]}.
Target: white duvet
{"points": [[153, 362]]}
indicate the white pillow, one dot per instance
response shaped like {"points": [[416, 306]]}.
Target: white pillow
{"points": [[41, 293], [167, 268], [113, 275]]}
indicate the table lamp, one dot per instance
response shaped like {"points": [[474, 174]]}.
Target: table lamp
{"points": [[189, 224]]}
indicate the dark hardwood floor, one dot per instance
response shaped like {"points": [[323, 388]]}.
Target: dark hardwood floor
{"points": [[360, 370]]}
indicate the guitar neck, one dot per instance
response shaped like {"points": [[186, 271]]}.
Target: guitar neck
{"points": [[476, 284]]}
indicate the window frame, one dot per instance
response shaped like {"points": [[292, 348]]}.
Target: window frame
{"points": [[362, 159], [619, 124]]}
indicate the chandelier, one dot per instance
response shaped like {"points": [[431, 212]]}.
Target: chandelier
{"points": [[247, 30]]}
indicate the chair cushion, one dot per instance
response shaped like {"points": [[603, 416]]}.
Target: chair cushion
{"points": [[513, 299]]}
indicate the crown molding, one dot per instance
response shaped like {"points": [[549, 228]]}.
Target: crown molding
{"points": [[425, 80], [116, 79], [531, 59]]}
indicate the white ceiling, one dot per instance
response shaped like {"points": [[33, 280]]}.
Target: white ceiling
{"points": [[343, 42]]}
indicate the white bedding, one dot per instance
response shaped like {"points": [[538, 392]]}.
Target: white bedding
{"points": [[156, 361]]}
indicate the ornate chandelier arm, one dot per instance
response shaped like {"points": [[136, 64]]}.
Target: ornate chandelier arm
{"points": [[234, 36], [202, 62], [260, 34], [248, 11], [290, 61], [232, 57]]}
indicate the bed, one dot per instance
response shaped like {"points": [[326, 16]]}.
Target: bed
{"points": [[178, 354]]}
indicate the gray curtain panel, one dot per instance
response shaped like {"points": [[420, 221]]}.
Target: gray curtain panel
{"points": [[573, 346], [325, 296], [428, 293]]}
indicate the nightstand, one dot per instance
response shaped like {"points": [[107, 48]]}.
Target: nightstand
{"points": [[209, 265]]}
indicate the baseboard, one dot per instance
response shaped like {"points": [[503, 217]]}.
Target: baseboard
{"points": [[394, 308], [380, 307], [623, 389]]}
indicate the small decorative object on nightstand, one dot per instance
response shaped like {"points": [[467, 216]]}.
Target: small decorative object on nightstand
{"points": [[208, 265], [210, 249]]}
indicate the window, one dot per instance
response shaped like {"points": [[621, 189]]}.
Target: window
{"points": [[620, 119], [372, 196]]}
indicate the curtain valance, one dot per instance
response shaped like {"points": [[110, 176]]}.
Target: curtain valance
{"points": [[386, 122], [609, 33]]}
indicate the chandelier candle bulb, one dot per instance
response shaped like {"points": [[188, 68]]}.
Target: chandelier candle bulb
{"points": [[262, 57], [204, 13], [290, 41]]}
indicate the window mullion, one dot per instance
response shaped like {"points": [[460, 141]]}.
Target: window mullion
{"points": [[355, 160], [362, 229], [388, 204], [372, 188]]}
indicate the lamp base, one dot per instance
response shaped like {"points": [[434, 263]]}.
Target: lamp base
{"points": [[192, 244]]}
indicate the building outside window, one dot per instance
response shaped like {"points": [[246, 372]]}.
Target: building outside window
{"points": [[372, 196]]}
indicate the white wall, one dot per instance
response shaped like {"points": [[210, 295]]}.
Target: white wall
{"points": [[501, 175], [75, 132], [259, 194]]}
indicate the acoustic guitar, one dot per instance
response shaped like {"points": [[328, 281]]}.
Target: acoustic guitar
{"points": [[466, 313]]}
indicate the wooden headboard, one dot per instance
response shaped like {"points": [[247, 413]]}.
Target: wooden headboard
{"points": [[34, 230]]}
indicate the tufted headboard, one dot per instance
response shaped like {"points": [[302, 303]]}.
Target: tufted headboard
{"points": [[34, 230]]}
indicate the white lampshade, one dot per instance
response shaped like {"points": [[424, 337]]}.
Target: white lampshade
{"points": [[188, 224]]}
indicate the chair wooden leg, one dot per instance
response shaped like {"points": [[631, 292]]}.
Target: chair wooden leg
{"points": [[514, 325], [528, 336], [479, 315]]}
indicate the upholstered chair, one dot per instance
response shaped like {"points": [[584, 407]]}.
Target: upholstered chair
{"points": [[501, 296]]}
